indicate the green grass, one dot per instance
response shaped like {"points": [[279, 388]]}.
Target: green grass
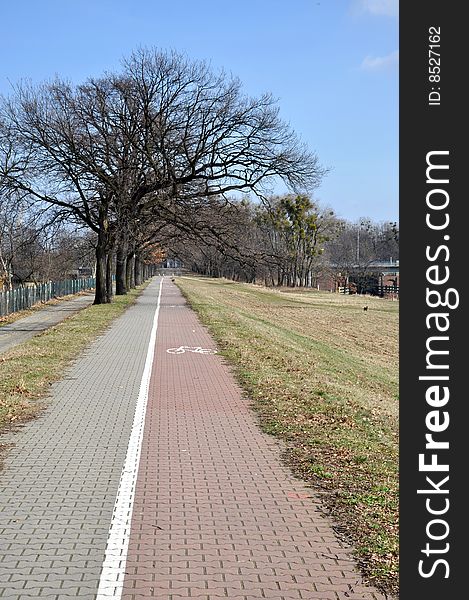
{"points": [[323, 375], [27, 370]]}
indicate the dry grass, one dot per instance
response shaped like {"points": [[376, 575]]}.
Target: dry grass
{"points": [[323, 375]]}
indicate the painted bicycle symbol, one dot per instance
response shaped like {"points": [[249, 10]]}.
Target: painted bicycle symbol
{"points": [[195, 349]]}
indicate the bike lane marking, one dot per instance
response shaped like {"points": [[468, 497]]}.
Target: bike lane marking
{"points": [[113, 571], [194, 349]]}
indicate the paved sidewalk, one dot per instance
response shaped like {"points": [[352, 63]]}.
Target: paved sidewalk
{"points": [[215, 513], [60, 481], [24, 329]]}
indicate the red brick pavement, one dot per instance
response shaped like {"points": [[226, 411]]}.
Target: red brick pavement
{"points": [[216, 515]]}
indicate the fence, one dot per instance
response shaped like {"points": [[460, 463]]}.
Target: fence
{"points": [[374, 290], [26, 296]]}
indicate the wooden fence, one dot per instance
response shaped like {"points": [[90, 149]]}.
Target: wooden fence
{"points": [[27, 296], [383, 291]]}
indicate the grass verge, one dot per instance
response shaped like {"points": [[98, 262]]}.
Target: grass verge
{"points": [[323, 376], [28, 370]]}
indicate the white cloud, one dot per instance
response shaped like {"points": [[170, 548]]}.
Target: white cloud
{"points": [[381, 63], [389, 8]]}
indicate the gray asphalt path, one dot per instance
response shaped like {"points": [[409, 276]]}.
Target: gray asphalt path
{"points": [[59, 482], [24, 329]]}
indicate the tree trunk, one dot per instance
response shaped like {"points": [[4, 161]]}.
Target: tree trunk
{"points": [[129, 272], [109, 290], [101, 296], [103, 247], [138, 271], [121, 264]]}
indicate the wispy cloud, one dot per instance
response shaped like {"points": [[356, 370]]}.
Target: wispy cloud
{"points": [[389, 8], [380, 63]]}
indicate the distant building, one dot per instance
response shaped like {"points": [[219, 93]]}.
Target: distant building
{"points": [[171, 263], [376, 278]]}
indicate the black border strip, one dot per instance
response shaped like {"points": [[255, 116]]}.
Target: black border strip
{"points": [[433, 131]]}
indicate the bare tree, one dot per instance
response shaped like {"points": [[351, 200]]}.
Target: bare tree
{"points": [[198, 137], [156, 140]]}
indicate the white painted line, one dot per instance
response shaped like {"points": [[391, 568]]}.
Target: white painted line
{"points": [[112, 576]]}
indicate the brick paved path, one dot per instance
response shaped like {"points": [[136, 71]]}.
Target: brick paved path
{"points": [[23, 329], [215, 514]]}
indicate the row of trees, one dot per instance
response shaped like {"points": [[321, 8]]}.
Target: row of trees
{"points": [[290, 240], [151, 156], [286, 240]]}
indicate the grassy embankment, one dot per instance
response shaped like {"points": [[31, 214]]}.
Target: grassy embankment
{"points": [[323, 376], [27, 370]]}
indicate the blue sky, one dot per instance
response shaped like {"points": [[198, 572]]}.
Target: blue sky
{"points": [[332, 64]]}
